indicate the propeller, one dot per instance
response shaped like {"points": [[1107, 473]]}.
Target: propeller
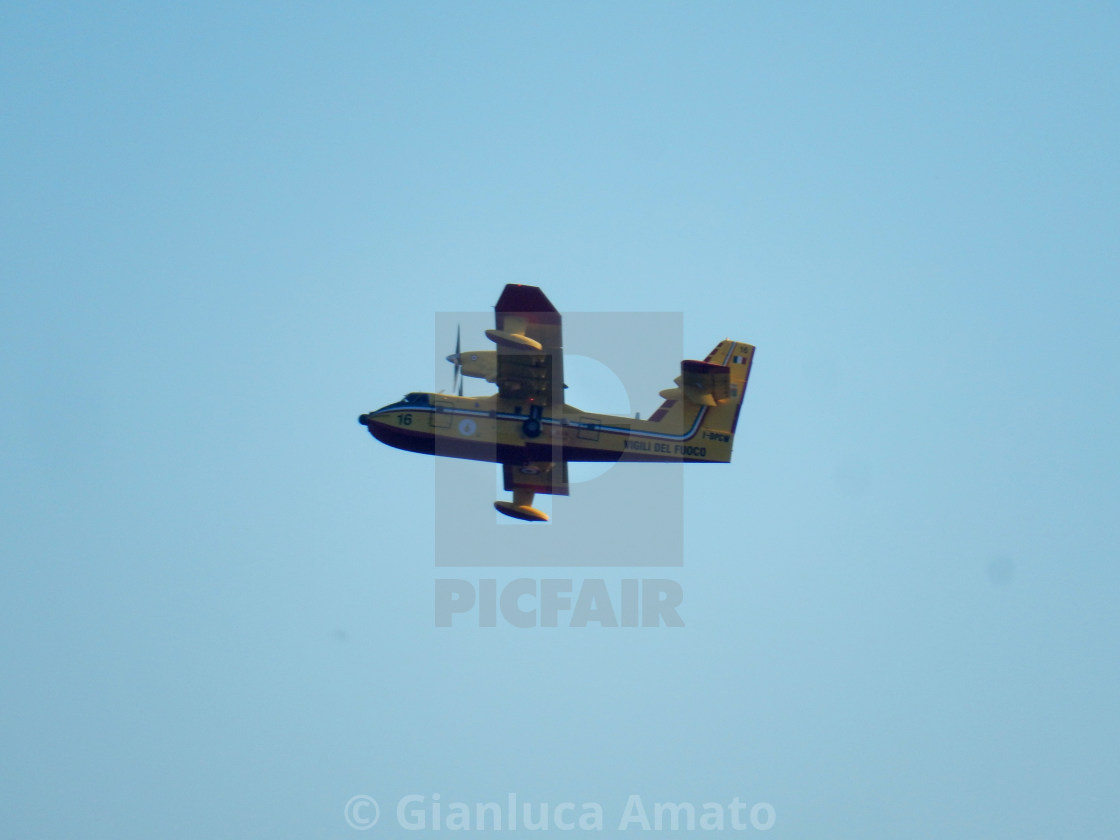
{"points": [[457, 360]]}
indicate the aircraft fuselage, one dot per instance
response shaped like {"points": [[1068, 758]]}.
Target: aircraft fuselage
{"points": [[482, 429]]}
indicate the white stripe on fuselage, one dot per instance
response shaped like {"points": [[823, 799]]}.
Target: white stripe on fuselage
{"points": [[552, 421]]}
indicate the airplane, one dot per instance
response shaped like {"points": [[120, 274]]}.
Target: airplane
{"points": [[529, 429]]}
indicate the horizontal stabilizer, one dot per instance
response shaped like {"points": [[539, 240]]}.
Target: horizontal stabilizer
{"points": [[704, 383]]}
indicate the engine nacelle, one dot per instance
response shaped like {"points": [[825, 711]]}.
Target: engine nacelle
{"points": [[481, 364], [513, 340], [701, 383]]}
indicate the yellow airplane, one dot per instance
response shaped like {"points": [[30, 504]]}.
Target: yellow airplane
{"points": [[533, 434]]}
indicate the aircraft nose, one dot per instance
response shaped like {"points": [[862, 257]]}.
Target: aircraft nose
{"points": [[364, 420], [453, 358]]}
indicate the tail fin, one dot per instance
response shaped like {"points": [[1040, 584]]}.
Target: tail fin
{"points": [[708, 397], [737, 358]]}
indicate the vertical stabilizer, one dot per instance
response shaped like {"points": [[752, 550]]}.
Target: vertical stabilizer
{"points": [[707, 398]]}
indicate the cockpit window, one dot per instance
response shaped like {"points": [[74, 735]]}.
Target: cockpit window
{"points": [[413, 400]]}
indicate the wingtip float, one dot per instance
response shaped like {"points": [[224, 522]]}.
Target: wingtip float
{"points": [[527, 427]]}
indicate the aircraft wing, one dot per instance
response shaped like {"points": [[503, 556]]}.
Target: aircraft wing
{"points": [[530, 348], [537, 477]]}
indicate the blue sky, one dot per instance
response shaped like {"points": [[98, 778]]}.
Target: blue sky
{"points": [[227, 230]]}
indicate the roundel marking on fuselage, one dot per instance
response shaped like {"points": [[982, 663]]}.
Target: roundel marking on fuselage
{"points": [[467, 427]]}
